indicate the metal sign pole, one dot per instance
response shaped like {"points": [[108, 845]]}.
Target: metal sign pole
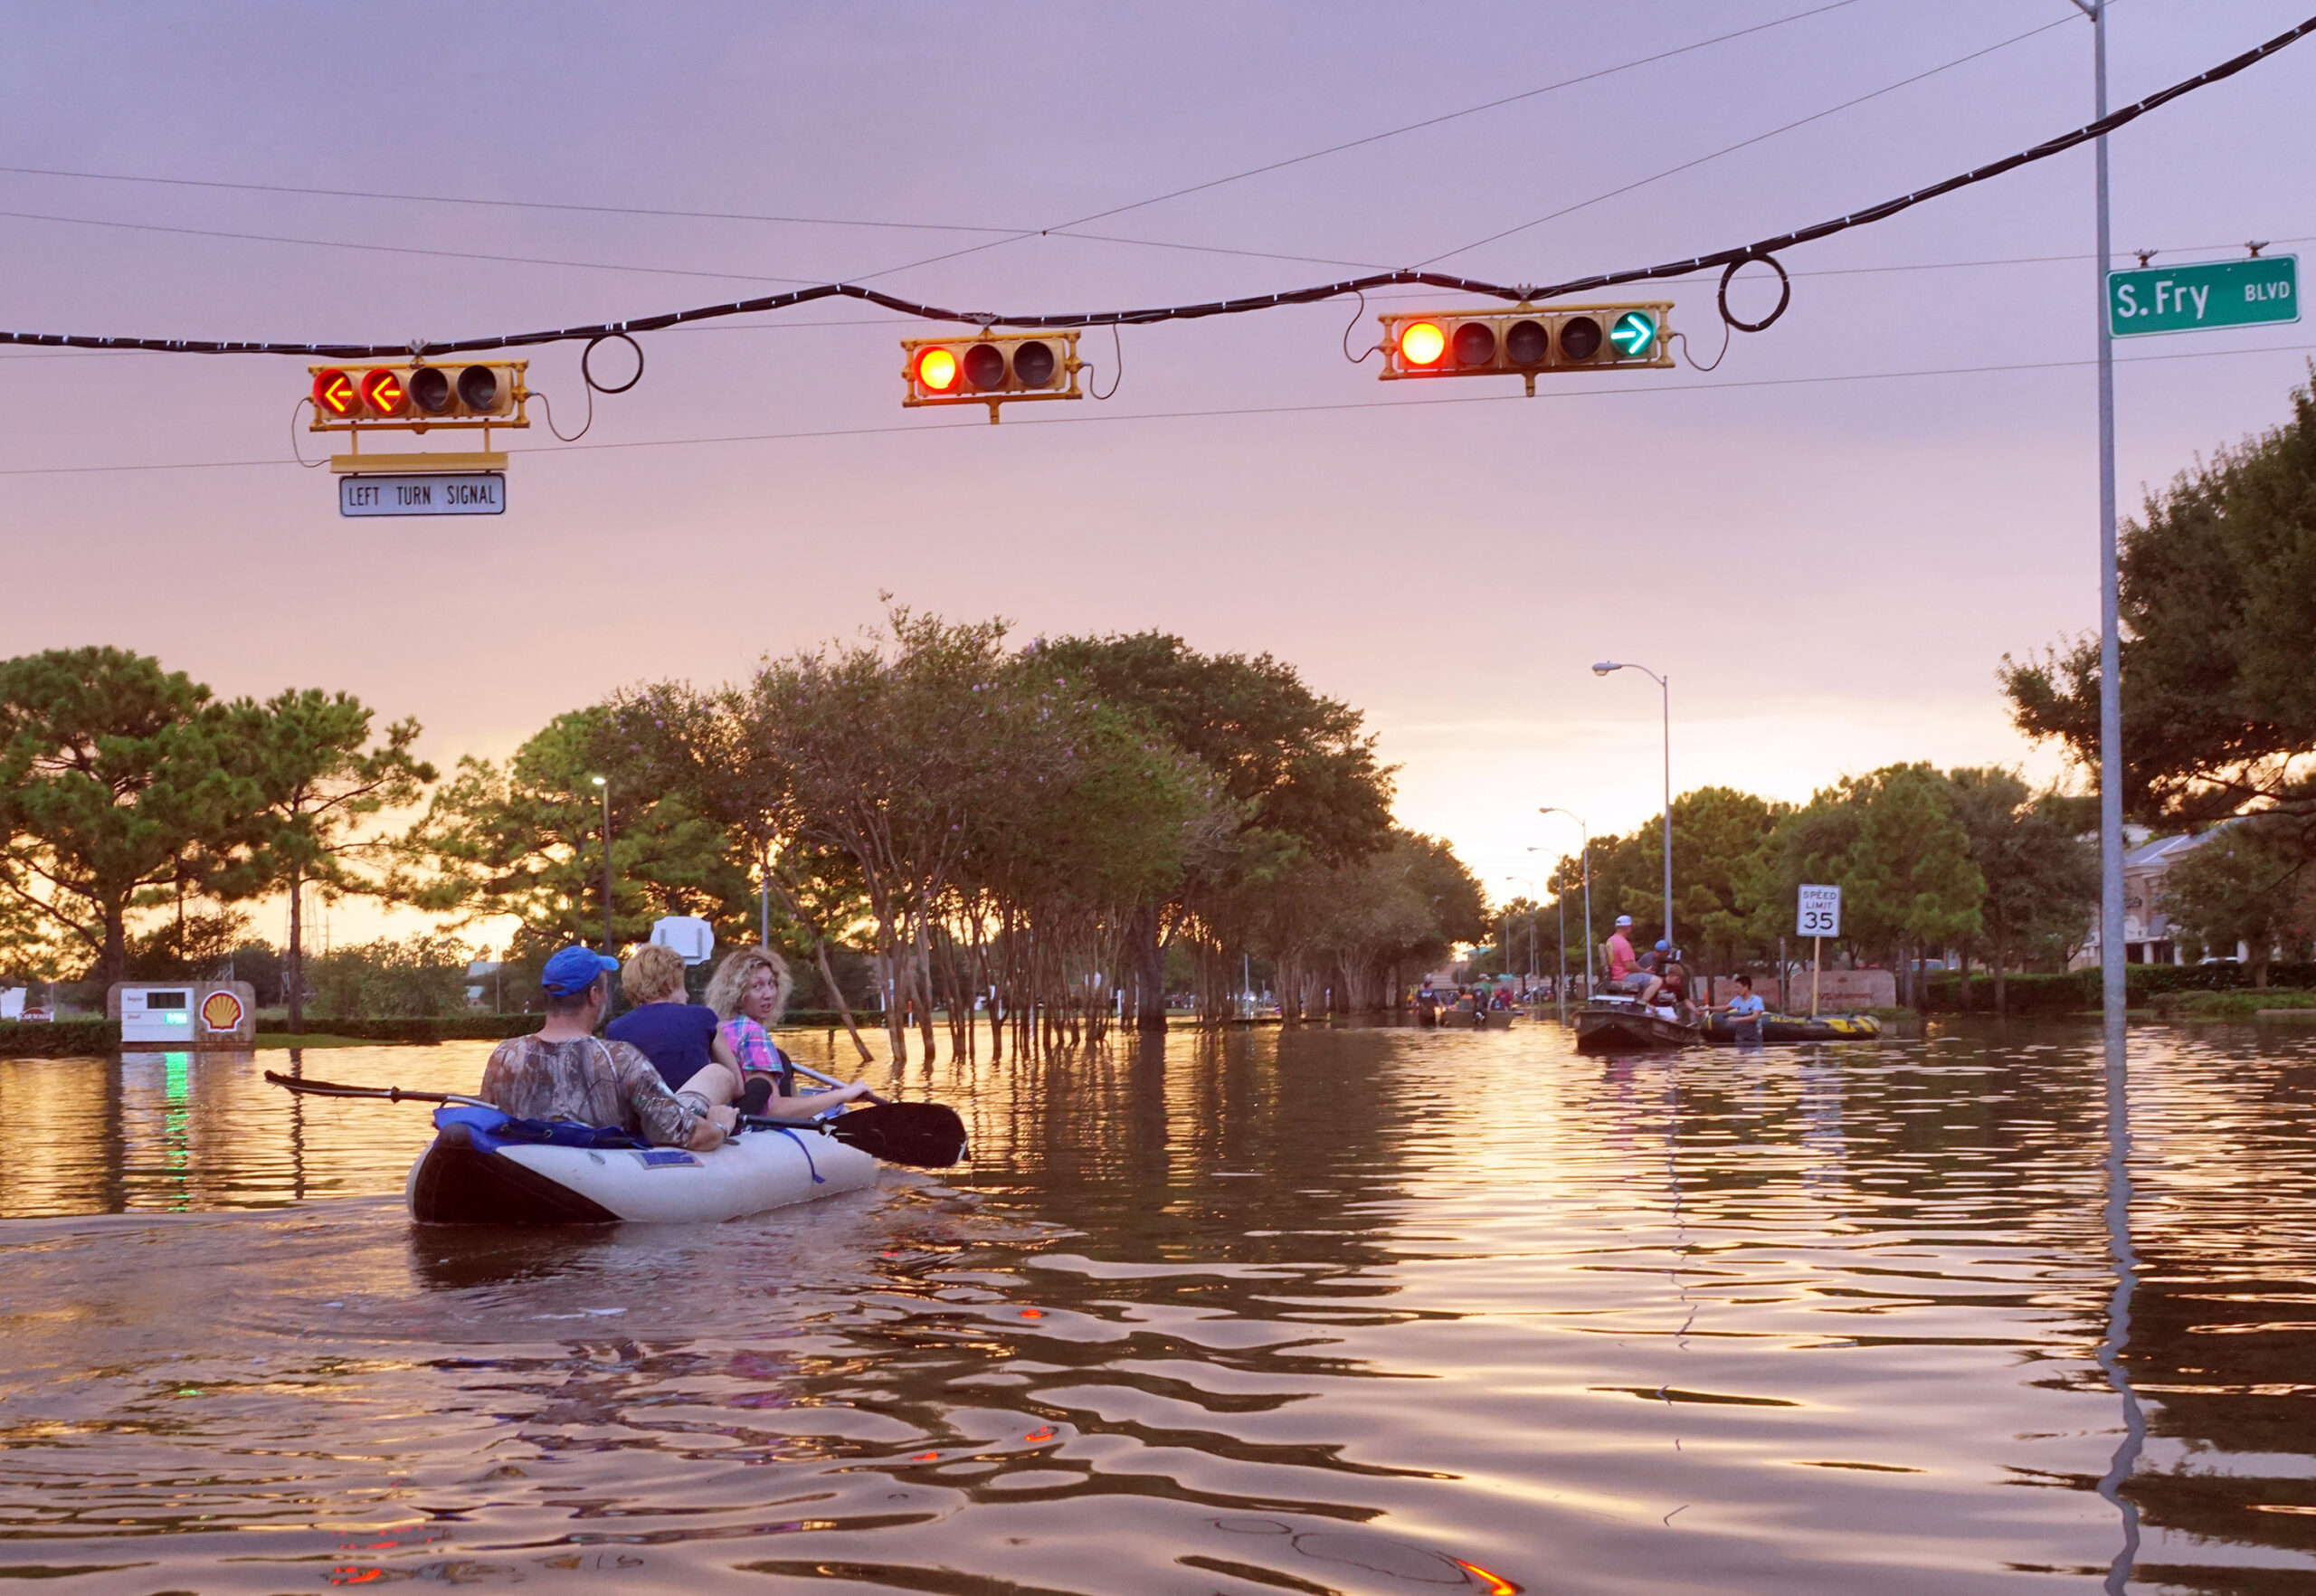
{"points": [[1817, 965]]}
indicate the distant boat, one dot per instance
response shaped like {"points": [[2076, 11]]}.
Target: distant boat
{"points": [[1608, 1027], [1798, 1028], [1483, 1020]]}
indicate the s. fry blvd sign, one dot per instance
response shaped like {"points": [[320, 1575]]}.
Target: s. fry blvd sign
{"points": [[1819, 912], [2213, 293], [467, 493]]}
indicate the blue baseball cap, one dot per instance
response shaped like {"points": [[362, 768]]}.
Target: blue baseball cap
{"points": [[574, 970], [1664, 947]]}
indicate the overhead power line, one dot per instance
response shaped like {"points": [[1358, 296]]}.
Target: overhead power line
{"points": [[1009, 233], [1727, 261]]}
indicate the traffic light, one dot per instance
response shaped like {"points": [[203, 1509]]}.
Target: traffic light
{"points": [[1524, 342], [990, 369], [414, 396]]}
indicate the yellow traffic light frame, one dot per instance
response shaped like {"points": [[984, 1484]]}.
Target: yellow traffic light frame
{"points": [[1552, 317], [1012, 391], [518, 395]]}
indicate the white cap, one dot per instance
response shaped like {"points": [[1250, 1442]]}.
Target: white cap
{"points": [[1624, 919]]}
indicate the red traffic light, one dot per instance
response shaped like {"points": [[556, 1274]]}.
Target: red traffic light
{"points": [[1422, 343], [383, 391], [334, 393], [936, 368]]}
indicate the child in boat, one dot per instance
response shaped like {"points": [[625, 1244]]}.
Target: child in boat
{"points": [[747, 994], [679, 1038]]}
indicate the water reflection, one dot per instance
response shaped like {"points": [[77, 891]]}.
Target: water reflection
{"points": [[1328, 1309]]}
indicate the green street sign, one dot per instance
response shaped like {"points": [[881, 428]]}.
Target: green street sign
{"points": [[1634, 334], [2209, 293]]}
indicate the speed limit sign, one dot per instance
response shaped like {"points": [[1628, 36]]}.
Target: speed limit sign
{"points": [[1821, 912]]}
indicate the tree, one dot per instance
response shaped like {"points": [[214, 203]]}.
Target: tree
{"points": [[2248, 882], [1296, 770], [2041, 877], [1908, 877], [320, 778], [526, 839], [116, 778], [1718, 836], [2218, 602]]}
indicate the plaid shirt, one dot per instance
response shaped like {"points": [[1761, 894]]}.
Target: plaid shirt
{"points": [[586, 1082]]}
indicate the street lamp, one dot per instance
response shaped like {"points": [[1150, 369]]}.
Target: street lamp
{"points": [[1602, 669], [605, 784], [1584, 834]]}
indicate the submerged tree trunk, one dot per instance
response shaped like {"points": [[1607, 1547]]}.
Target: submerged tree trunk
{"points": [[1149, 969], [843, 1009]]}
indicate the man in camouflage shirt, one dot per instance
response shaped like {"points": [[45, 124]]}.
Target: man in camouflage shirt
{"points": [[563, 1071]]}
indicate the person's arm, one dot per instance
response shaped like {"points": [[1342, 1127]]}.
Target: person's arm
{"points": [[665, 1119], [802, 1108], [719, 1048]]}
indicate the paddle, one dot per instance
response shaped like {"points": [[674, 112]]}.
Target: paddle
{"points": [[925, 1135], [330, 1088]]}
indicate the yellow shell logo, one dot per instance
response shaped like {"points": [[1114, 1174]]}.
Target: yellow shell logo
{"points": [[222, 1011]]}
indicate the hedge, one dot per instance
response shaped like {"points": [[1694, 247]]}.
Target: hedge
{"points": [[2078, 990], [60, 1038]]}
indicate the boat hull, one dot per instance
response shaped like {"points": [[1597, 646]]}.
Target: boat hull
{"points": [[1799, 1028], [1611, 1027], [470, 1176]]}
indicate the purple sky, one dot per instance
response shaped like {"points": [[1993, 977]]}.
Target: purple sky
{"points": [[1829, 570]]}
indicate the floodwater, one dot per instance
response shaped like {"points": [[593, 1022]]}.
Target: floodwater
{"points": [[1321, 1310]]}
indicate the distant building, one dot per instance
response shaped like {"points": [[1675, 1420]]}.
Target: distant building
{"points": [[2147, 931], [482, 985]]}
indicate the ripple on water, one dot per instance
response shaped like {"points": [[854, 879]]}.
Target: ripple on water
{"points": [[1336, 1310]]}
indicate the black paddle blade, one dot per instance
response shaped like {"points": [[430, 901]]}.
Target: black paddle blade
{"points": [[927, 1136]]}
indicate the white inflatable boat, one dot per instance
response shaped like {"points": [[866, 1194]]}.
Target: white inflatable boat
{"points": [[486, 1169]]}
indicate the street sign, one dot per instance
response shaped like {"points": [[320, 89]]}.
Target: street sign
{"points": [[465, 493], [2211, 293], [1820, 912]]}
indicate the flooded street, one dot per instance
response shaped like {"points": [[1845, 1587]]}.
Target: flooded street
{"points": [[1320, 1310]]}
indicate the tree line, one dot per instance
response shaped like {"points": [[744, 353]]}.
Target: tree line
{"points": [[935, 823], [1970, 860]]}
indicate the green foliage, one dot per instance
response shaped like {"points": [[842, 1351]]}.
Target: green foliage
{"points": [[2230, 1005], [1909, 878], [418, 977], [526, 839], [60, 1038], [197, 945], [116, 779], [2042, 879], [2219, 603]]}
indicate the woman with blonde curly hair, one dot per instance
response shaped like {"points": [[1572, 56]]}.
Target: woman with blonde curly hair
{"points": [[748, 993]]}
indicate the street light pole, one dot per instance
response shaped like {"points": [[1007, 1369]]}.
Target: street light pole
{"points": [[1666, 683], [1584, 834], [606, 787]]}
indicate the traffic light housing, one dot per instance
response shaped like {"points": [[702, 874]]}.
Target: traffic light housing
{"points": [[414, 395], [991, 369], [1526, 341]]}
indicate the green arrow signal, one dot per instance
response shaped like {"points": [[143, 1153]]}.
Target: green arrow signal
{"points": [[1635, 334]]}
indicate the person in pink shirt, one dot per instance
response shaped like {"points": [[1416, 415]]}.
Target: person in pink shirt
{"points": [[1625, 974]]}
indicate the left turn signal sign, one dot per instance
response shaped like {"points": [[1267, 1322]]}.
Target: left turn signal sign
{"points": [[334, 393]]}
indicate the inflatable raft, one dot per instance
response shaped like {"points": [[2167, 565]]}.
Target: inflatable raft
{"points": [[485, 1168], [1798, 1028]]}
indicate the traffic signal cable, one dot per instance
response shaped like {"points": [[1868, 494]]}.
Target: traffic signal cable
{"points": [[913, 430], [1726, 261]]}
